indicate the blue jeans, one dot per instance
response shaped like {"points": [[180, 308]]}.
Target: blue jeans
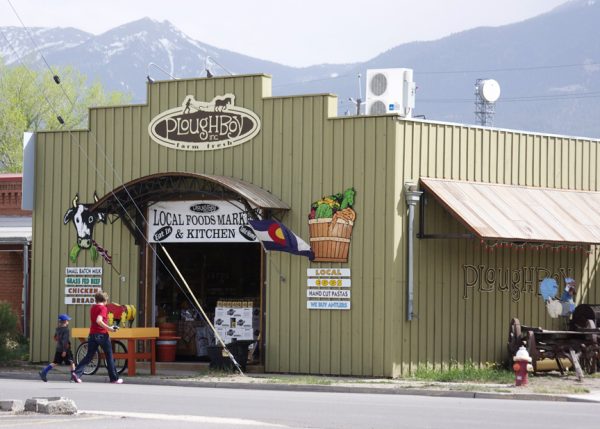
{"points": [[95, 341]]}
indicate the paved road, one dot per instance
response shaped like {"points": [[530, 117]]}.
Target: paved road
{"points": [[149, 406]]}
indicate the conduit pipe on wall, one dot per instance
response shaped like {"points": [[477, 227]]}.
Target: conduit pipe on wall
{"points": [[412, 196], [25, 294]]}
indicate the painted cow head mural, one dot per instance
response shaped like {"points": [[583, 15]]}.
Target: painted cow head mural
{"points": [[84, 220]]}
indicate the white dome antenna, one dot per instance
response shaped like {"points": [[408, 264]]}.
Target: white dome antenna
{"points": [[487, 92]]}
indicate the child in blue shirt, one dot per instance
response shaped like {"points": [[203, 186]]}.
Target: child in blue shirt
{"points": [[63, 347]]}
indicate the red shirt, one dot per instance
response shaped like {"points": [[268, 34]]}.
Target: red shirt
{"points": [[95, 311]]}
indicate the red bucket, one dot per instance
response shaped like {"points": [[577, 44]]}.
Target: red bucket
{"points": [[166, 348]]}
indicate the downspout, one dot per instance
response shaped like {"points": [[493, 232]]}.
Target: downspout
{"points": [[25, 296], [412, 195]]}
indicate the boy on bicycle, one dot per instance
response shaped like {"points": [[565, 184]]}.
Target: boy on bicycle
{"points": [[63, 352]]}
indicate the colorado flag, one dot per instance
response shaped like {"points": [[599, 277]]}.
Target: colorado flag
{"points": [[276, 236]]}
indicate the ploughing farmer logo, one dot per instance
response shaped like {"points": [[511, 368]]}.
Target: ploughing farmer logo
{"points": [[199, 125], [84, 220]]}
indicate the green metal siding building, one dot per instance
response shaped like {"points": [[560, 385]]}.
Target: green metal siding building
{"points": [[302, 151]]}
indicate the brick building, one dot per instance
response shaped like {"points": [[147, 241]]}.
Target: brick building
{"points": [[15, 245]]}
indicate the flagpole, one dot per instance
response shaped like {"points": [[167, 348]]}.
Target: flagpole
{"points": [[106, 257], [116, 271]]}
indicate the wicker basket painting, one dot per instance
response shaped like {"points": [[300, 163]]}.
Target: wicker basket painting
{"points": [[330, 236]]}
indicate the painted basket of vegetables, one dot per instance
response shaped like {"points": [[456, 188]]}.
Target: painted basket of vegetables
{"points": [[330, 224]]}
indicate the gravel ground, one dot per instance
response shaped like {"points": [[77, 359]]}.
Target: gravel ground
{"points": [[542, 383]]}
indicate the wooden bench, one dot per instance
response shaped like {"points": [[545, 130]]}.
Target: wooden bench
{"points": [[132, 335]]}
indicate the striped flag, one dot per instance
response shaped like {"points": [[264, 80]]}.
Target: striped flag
{"points": [[276, 236], [103, 252]]}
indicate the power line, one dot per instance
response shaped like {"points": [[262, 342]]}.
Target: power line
{"points": [[551, 97], [510, 69], [324, 79], [447, 72]]}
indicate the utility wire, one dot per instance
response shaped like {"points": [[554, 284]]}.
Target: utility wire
{"points": [[348, 75], [550, 97], [105, 181], [509, 69], [443, 72]]}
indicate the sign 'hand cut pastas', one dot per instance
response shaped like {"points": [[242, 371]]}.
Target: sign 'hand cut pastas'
{"points": [[200, 125]]}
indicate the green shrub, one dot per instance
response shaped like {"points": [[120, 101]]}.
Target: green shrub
{"points": [[12, 345]]}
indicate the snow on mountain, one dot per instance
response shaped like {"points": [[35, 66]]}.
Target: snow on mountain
{"points": [[548, 66], [18, 44]]}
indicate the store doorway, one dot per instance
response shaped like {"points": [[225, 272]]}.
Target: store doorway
{"points": [[217, 273]]}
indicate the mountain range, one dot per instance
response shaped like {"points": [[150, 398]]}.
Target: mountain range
{"points": [[548, 67]]}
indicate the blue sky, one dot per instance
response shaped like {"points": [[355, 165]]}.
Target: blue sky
{"points": [[298, 33]]}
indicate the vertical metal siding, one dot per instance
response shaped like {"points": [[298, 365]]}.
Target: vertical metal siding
{"points": [[302, 153], [315, 155], [116, 150], [449, 328]]}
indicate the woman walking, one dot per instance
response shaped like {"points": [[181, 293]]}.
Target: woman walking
{"points": [[99, 338]]}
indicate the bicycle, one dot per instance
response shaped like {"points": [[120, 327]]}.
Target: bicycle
{"points": [[99, 358]]}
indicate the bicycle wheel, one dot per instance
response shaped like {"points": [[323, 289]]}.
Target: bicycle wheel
{"points": [[120, 363], [91, 367]]}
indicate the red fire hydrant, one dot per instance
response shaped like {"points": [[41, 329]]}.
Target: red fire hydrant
{"points": [[521, 366]]}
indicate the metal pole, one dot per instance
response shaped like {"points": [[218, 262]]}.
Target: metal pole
{"points": [[153, 298], [25, 295]]}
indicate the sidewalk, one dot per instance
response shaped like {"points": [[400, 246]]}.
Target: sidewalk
{"points": [[545, 387]]}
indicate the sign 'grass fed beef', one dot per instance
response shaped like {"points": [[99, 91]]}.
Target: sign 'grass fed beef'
{"points": [[199, 125]]}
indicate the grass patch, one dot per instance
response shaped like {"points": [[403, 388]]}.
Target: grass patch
{"points": [[301, 380], [372, 382], [576, 390], [468, 372]]}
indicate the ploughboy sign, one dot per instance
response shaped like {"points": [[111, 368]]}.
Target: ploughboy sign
{"points": [[199, 221], [199, 125]]}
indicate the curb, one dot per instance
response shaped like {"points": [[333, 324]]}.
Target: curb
{"points": [[141, 380]]}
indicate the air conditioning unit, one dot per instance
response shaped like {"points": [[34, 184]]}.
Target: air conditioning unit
{"points": [[390, 91]]}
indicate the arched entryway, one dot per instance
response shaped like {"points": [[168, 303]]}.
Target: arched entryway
{"points": [[201, 222]]}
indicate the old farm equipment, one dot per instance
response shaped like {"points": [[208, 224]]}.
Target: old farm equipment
{"points": [[581, 347]]}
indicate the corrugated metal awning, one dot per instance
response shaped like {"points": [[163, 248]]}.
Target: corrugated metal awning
{"points": [[520, 213], [178, 185], [257, 195]]}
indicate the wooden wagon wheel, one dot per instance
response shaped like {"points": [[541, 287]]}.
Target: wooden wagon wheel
{"points": [[532, 350], [591, 354], [587, 360], [514, 337], [593, 337]]}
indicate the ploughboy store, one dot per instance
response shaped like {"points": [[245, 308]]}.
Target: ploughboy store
{"points": [[428, 237]]}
